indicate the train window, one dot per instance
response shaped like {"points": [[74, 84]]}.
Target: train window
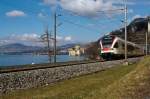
{"points": [[123, 45], [116, 45], [130, 47], [107, 40]]}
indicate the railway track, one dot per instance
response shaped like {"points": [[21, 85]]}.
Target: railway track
{"points": [[18, 68], [8, 69]]}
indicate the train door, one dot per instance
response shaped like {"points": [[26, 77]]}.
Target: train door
{"points": [[121, 47]]}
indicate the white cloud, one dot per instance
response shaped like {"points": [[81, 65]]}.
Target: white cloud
{"points": [[59, 38], [15, 13], [63, 39], [136, 16], [41, 15], [33, 39], [3, 41], [87, 7], [121, 2], [130, 11], [50, 2], [139, 16], [68, 38], [25, 37]]}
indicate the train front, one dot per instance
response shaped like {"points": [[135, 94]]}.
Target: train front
{"points": [[106, 44]]}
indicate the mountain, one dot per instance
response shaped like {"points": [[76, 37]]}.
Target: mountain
{"points": [[71, 45], [67, 46], [136, 31], [18, 48]]}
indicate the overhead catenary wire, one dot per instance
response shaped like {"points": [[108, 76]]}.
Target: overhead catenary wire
{"points": [[95, 28], [98, 23], [87, 17], [79, 25]]}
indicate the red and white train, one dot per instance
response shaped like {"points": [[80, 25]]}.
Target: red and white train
{"points": [[113, 46]]}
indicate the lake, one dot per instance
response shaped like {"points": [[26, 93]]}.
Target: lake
{"points": [[10, 60]]}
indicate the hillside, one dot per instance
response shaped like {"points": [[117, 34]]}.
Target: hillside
{"points": [[70, 45], [135, 31], [21, 48], [17, 47], [135, 85]]}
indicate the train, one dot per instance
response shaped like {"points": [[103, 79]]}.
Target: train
{"points": [[114, 47]]}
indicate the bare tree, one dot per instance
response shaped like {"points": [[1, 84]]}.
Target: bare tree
{"points": [[92, 50]]}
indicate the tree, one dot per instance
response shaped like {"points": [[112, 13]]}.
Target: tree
{"points": [[92, 50]]}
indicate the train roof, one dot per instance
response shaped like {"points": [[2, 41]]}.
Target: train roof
{"points": [[128, 42], [108, 36]]}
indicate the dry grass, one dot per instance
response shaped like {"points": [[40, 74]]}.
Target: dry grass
{"points": [[135, 85]]}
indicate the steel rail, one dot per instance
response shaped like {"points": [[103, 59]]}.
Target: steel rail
{"points": [[42, 66]]}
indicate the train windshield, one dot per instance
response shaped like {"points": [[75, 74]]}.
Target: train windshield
{"points": [[107, 41]]}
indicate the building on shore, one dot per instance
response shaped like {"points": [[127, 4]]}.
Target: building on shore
{"points": [[76, 51]]}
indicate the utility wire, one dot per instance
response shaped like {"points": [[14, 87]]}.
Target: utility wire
{"points": [[96, 25], [89, 18], [79, 25]]}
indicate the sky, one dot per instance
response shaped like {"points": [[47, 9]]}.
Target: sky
{"points": [[79, 21]]}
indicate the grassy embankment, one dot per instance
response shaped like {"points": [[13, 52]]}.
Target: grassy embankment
{"points": [[121, 82]]}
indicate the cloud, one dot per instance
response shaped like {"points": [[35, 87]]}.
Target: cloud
{"points": [[130, 11], [65, 38], [139, 16], [87, 7], [41, 15], [27, 38], [136, 16], [3, 41], [50, 2], [59, 38], [15, 13], [68, 38], [32, 39], [121, 2]]}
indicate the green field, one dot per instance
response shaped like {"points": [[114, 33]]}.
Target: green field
{"points": [[120, 82]]}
